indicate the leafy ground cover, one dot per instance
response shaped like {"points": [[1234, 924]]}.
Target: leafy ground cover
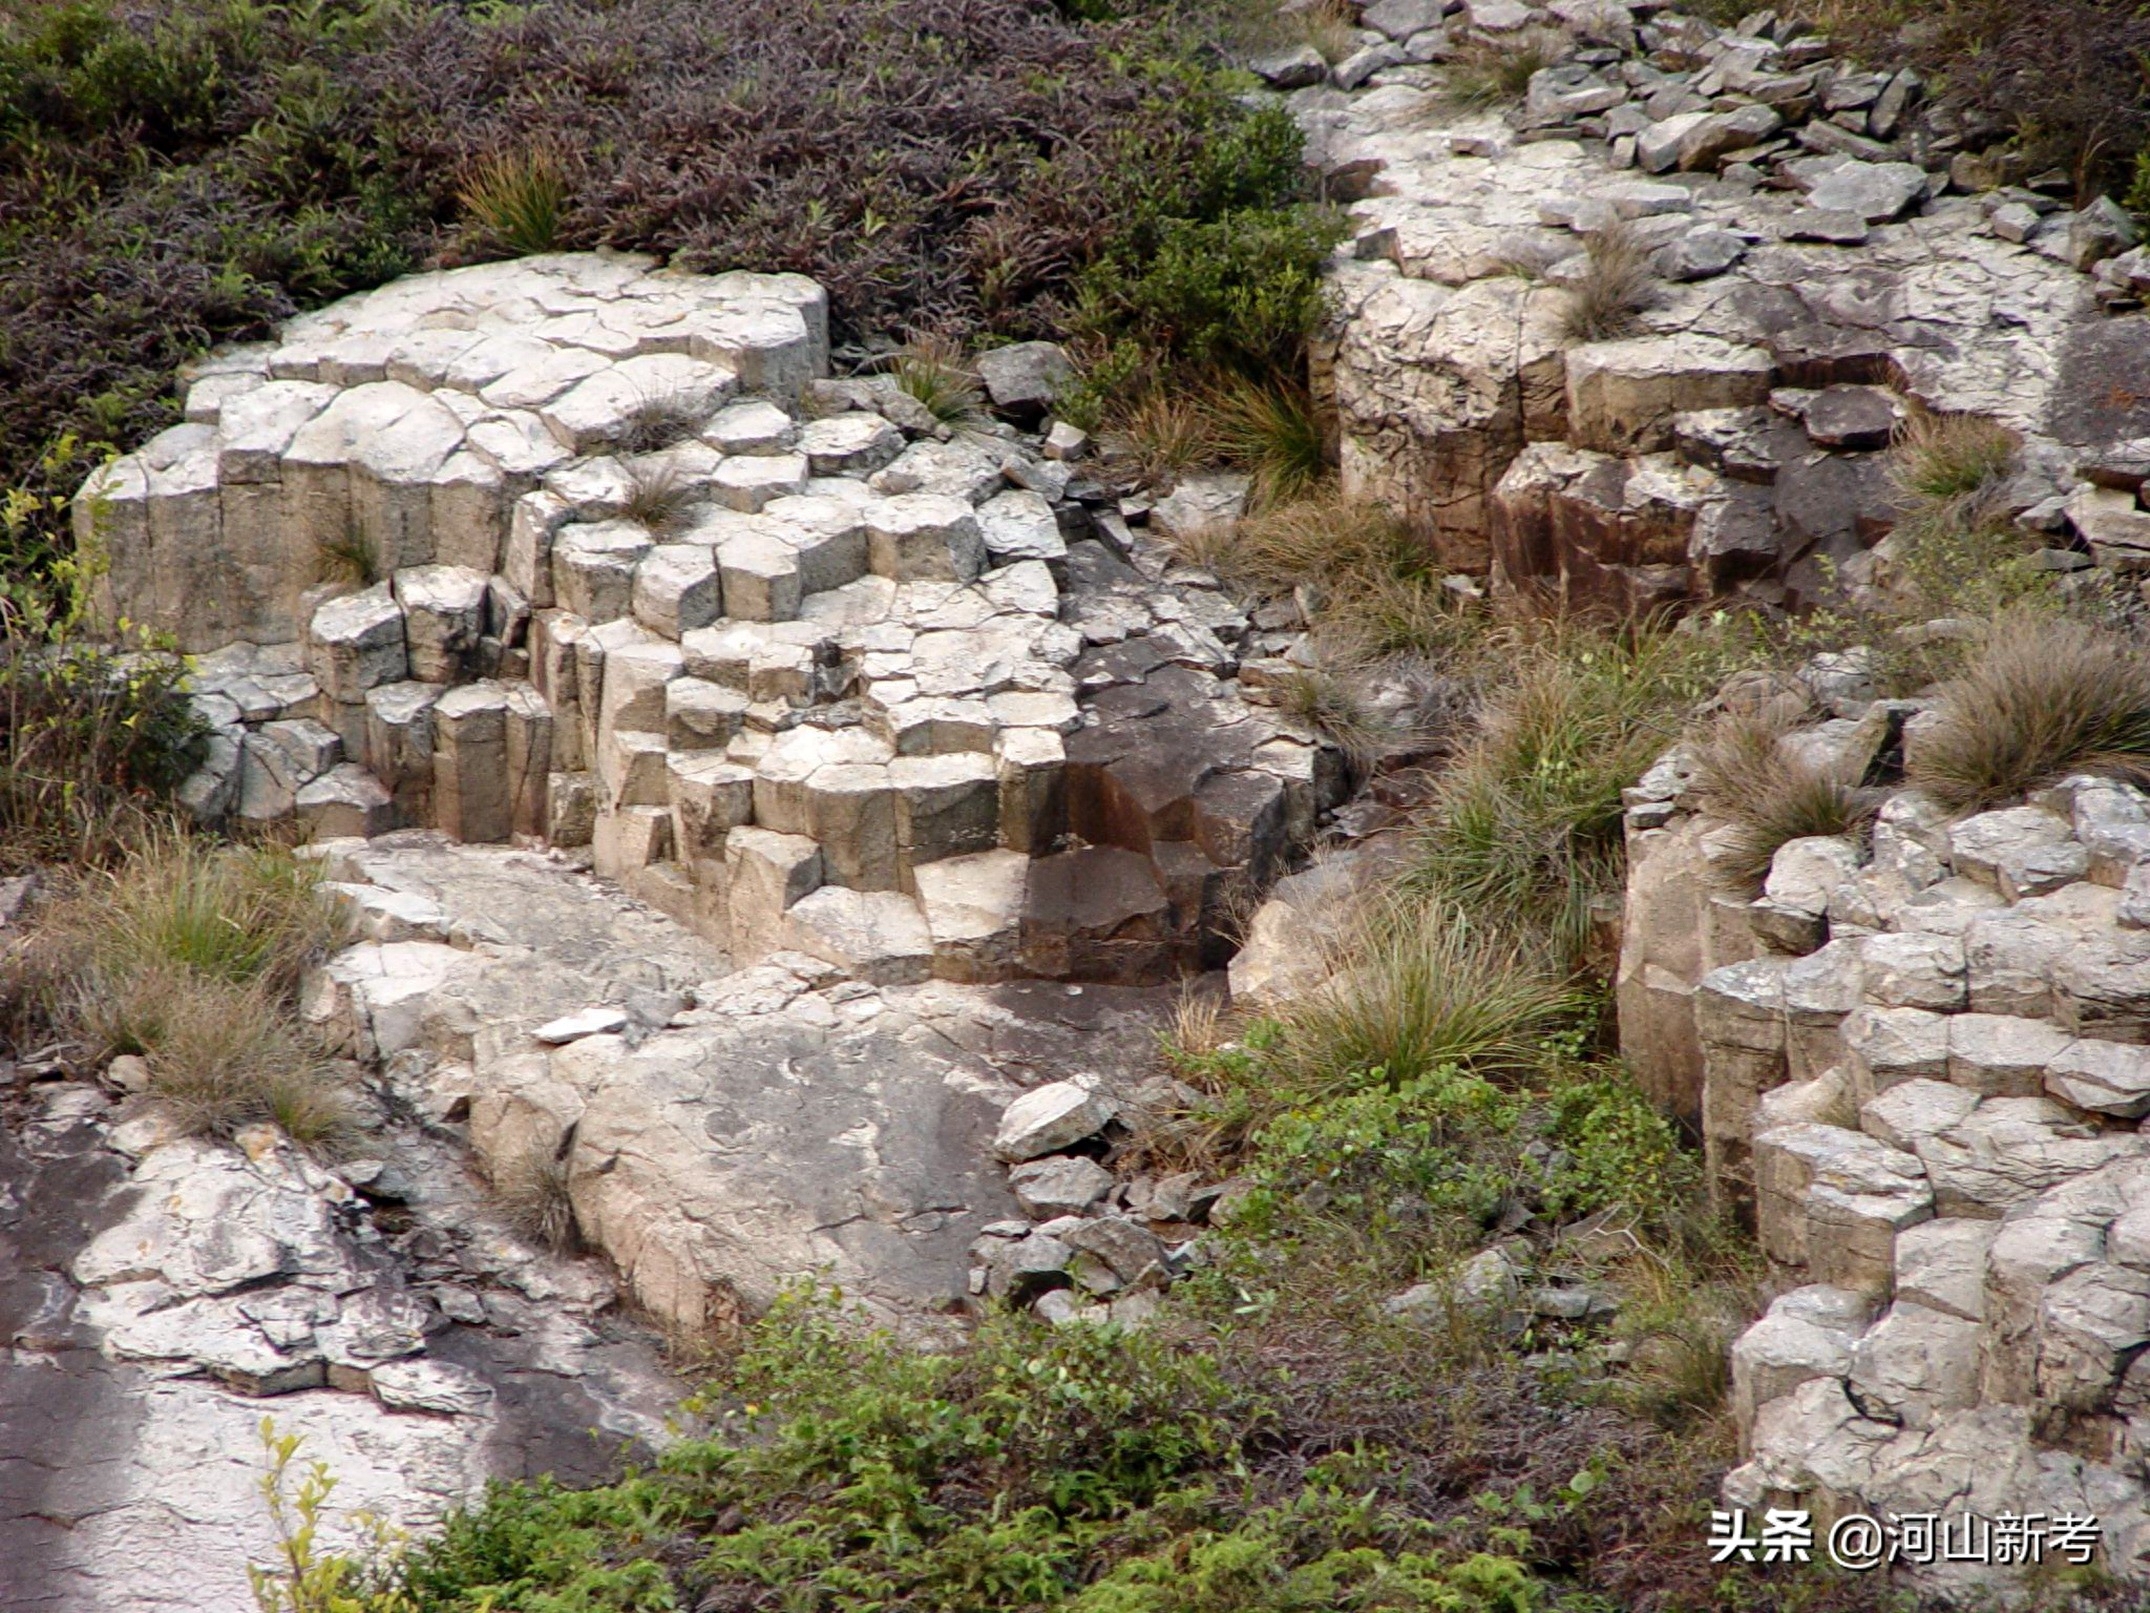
{"points": [[175, 174]]}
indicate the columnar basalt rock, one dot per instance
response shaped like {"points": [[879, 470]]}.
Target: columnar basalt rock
{"points": [[647, 582], [1916, 1059], [1810, 273]]}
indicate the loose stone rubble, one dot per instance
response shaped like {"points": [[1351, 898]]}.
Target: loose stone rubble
{"points": [[1831, 250], [578, 550], [1917, 1061]]}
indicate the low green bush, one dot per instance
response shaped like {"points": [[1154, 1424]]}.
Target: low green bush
{"points": [[91, 739]]}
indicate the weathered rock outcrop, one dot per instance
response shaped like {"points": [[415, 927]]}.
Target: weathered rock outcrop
{"points": [[573, 549], [1915, 1057], [1823, 258], [722, 1132], [160, 1294]]}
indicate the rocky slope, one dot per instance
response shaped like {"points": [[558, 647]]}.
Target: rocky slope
{"points": [[1825, 254], [1917, 1060]]}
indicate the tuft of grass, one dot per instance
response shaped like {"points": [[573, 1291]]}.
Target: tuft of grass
{"points": [[1328, 27], [1949, 463], [1746, 777], [1273, 430], [349, 558], [1197, 1023], [517, 200], [190, 954], [2040, 698], [1615, 289], [1525, 830], [1424, 989], [532, 1194], [932, 369], [1331, 704], [1163, 432], [233, 913], [222, 1054], [657, 495], [660, 421], [1487, 73]]}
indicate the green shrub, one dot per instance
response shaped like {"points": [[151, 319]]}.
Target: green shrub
{"points": [[91, 740], [1237, 292]]}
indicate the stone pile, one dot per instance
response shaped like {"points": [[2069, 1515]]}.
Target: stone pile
{"points": [[1918, 1060], [573, 549], [1830, 251], [1095, 1246]]}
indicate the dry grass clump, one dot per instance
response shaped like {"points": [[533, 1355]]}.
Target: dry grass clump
{"points": [[1424, 988], [1615, 288], [934, 371], [531, 1192], [1331, 703], [1163, 433], [1327, 25], [517, 200], [349, 558], [1947, 463], [1745, 776], [1361, 571], [657, 495], [222, 1054], [2042, 697], [1488, 73], [190, 955], [660, 421]]}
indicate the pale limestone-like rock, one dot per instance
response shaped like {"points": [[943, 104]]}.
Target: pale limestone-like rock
{"points": [[1019, 525], [1908, 1114], [1915, 1364], [1834, 1200], [357, 643], [2008, 1150], [585, 1022], [1941, 1265], [923, 536], [1914, 971], [676, 590], [1887, 1046], [1808, 1333], [1048, 1119], [973, 908], [1875, 192], [1060, 1185], [1622, 395], [2106, 1077], [2000, 1055], [444, 617], [854, 444], [2021, 851]]}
